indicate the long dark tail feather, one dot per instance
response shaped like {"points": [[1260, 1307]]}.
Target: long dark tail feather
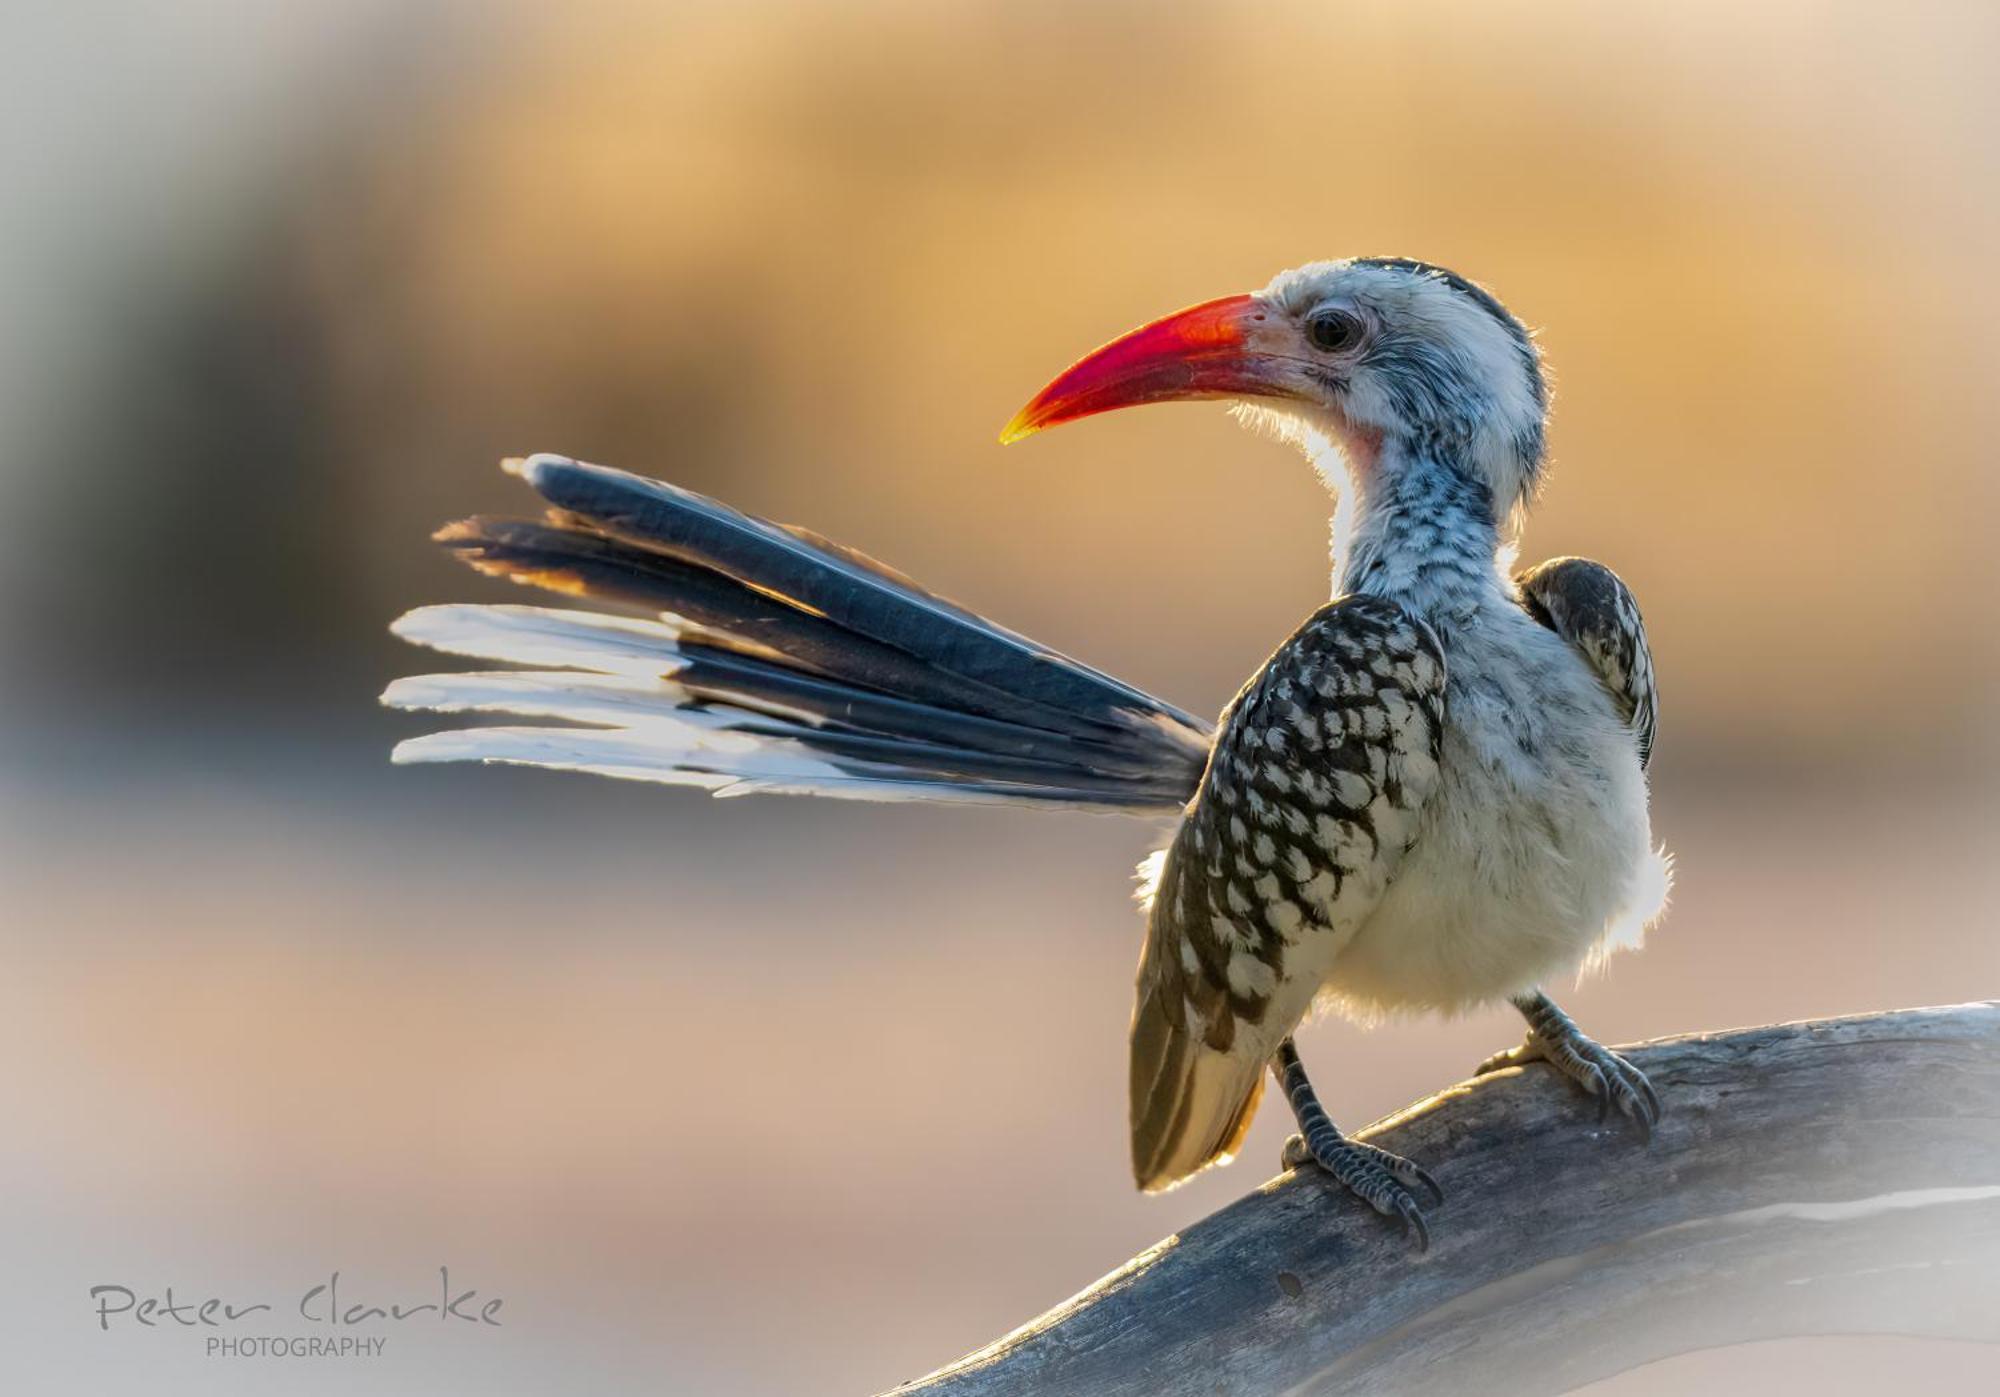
{"points": [[775, 661]]}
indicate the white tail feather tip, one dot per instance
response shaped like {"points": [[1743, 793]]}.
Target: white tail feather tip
{"points": [[547, 636]]}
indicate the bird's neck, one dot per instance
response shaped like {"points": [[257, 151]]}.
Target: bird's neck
{"points": [[1421, 531]]}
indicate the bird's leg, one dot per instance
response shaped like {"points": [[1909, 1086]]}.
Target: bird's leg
{"points": [[1555, 1039], [1382, 1180]]}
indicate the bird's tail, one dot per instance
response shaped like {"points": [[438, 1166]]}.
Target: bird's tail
{"points": [[765, 658]]}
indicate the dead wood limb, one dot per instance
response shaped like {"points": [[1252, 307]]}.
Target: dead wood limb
{"points": [[1835, 1176]]}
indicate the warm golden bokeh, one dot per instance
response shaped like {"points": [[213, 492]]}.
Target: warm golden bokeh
{"points": [[816, 263], [288, 290]]}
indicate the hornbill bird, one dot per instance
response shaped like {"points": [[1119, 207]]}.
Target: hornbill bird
{"points": [[1431, 796]]}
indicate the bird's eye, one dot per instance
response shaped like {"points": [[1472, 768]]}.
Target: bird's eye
{"points": [[1333, 330]]}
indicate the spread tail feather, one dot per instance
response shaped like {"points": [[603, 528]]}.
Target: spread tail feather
{"points": [[771, 661]]}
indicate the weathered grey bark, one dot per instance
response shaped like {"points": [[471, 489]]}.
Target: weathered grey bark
{"points": [[1839, 1176]]}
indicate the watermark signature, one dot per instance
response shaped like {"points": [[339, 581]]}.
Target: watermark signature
{"points": [[322, 1305], [290, 1346]]}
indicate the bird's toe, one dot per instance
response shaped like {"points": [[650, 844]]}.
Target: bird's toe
{"points": [[1385, 1182], [1529, 1050], [1408, 1173], [1635, 1095], [1613, 1082]]}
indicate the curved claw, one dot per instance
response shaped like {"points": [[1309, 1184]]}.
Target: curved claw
{"points": [[1591, 1078], [1652, 1097], [1413, 1223], [1411, 1172]]}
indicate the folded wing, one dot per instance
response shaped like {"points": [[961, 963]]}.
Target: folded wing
{"points": [[1311, 800], [1589, 606]]}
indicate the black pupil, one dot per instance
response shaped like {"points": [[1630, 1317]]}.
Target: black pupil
{"points": [[1332, 331]]}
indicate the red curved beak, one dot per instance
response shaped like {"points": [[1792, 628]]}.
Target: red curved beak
{"points": [[1200, 352]]}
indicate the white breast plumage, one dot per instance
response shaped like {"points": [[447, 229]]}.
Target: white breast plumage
{"points": [[1536, 854]]}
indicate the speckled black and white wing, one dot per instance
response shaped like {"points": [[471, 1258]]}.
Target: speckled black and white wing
{"points": [[1310, 800], [1586, 604]]}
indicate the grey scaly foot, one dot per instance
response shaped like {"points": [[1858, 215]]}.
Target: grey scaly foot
{"points": [[1553, 1038], [1384, 1181]]}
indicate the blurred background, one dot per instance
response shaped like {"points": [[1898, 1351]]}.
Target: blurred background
{"points": [[285, 281]]}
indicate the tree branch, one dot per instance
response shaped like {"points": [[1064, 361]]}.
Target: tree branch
{"points": [[1835, 1176]]}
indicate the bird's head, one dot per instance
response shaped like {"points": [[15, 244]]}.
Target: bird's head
{"points": [[1392, 360]]}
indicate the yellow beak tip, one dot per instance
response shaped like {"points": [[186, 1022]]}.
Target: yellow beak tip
{"points": [[1016, 429]]}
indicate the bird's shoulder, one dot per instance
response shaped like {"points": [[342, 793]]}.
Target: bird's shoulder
{"points": [[1589, 605], [1354, 654], [1319, 772]]}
